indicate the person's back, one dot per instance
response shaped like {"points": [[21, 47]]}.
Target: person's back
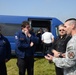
{"points": [[47, 37]]}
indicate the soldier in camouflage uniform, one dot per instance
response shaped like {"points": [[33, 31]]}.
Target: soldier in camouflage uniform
{"points": [[69, 61]]}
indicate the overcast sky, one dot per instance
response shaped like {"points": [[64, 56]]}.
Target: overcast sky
{"points": [[61, 9]]}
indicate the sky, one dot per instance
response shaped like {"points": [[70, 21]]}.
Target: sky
{"points": [[61, 9]]}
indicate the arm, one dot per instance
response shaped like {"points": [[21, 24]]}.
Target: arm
{"points": [[8, 51], [20, 42], [61, 62], [68, 61], [54, 47], [56, 53], [52, 38], [33, 38]]}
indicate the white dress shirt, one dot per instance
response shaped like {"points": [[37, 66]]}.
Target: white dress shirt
{"points": [[47, 37]]}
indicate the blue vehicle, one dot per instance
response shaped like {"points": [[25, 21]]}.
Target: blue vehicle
{"points": [[11, 24]]}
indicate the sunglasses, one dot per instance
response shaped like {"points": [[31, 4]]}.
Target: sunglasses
{"points": [[62, 30]]}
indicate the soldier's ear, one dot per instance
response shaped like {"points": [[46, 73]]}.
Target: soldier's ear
{"points": [[73, 26]]}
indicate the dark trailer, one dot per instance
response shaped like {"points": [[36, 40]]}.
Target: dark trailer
{"points": [[11, 24]]}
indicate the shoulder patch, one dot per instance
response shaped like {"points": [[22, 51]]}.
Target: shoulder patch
{"points": [[71, 55], [16, 37], [4, 41]]}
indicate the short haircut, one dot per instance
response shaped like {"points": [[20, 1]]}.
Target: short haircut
{"points": [[24, 24], [61, 25], [70, 19]]}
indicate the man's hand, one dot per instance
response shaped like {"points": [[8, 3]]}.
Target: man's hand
{"points": [[26, 32], [63, 55], [49, 57], [29, 35], [31, 44], [56, 53]]}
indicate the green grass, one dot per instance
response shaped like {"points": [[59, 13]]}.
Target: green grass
{"points": [[41, 67]]}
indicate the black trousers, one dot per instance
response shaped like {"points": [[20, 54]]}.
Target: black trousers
{"points": [[24, 64], [3, 70], [46, 48], [59, 71]]}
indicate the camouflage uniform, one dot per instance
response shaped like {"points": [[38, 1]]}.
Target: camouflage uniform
{"points": [[68, 63]]}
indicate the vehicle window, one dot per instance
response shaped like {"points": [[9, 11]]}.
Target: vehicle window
{"points": [[56, 28], [9, 29]]}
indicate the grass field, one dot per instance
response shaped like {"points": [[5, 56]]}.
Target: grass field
{"points": [[41, 67]]}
